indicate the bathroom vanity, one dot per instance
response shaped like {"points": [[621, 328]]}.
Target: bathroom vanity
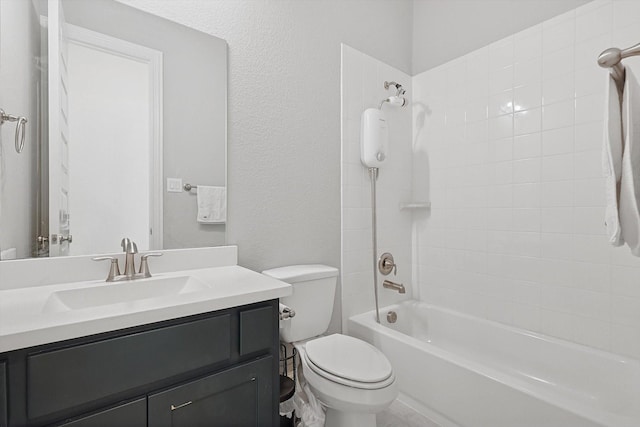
{"points": [[188, 356]]}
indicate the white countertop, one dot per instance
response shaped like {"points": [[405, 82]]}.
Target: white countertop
{"points": [[24, 323]]}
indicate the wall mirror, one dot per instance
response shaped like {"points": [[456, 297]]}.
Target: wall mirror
{"points": [[123, 109]]}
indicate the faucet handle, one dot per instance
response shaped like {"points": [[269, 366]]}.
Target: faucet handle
{"points": [[144, 265], [114, 269], [386, 264]]}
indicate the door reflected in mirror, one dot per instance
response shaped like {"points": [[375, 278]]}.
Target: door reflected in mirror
{"points": [[119, 102]]}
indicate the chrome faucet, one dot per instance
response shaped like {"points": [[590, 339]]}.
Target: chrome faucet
{"points": [[388, 284], [130, 249]]}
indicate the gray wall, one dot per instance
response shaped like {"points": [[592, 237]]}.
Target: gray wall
{"points": [[441, 28], [284, 113], [194, 91]]}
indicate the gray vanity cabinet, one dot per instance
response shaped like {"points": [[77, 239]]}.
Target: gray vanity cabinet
{"points": [[212, 369]]}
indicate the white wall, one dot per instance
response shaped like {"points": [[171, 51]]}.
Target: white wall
{"points": [[19, 79], [362, 87], [516, 229], [444, 30], [109, 170]]}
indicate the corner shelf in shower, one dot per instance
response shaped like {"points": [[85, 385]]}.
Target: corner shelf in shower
{"points": [[415, 206]]}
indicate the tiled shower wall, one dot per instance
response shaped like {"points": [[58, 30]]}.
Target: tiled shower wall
{"points": [[511, 137], [362, 87]]}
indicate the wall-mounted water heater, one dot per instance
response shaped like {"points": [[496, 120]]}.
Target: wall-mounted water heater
{"points": [[374, 138]]}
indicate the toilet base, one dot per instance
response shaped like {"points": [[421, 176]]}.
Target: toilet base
{"points": [[349, 419]]}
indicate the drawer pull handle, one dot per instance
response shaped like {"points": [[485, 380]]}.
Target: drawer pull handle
{"points": [[173, 408]]}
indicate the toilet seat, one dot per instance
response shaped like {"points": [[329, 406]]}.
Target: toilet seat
{"points": [[349, 361]]}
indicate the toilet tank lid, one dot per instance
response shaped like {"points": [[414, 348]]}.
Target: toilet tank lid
{"points": [[301, 273]]}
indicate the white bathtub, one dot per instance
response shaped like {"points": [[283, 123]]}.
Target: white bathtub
{"points": [[472, 372]]}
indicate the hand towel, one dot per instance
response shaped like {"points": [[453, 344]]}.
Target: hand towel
{"points": [[212, 204], [630, 180], [612, 161]]}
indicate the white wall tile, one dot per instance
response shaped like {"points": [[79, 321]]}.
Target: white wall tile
{"points": [[528, 44], [526, 146], [556, 168], [587, 164], [501, 54], [558, 88], [556, 194], [527, 97], [556, 220], [626, 13], [556, 245], [589, 108], [558, 115], [589, 136], [558, 33], [501, 103], [527, 72], [557, 63], [501, 127], [500, 79], [557, 141], [500, 150], [594, 22], [517, 235]]}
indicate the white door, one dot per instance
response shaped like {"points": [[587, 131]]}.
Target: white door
{"points": [[59, 215], [115, 104]]}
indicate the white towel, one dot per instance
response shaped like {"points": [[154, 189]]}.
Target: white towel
{"points": [[212, 205], [612, 161], [630, 180]]}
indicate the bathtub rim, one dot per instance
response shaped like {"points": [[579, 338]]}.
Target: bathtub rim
{"points": [[573, 406]]}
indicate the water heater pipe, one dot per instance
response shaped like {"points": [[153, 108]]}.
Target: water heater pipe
{"points": [[373, 173]]}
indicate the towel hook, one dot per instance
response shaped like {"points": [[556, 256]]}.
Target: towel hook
{"points": [[21, 128]]}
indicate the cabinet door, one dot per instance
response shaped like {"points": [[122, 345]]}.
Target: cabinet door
{"points": [[132, 414], [238, 397], [3, 394]]}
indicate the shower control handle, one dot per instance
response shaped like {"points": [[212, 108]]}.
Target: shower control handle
{"points": [[386, 264]]}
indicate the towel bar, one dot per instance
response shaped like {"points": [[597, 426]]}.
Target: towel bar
{"points": [[612, 58]]}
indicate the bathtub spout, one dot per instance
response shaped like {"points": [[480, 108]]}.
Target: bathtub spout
{"points": [[394, 286]]}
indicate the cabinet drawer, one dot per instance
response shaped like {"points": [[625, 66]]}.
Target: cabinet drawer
{"points": [[65, 378], [240, 396], [3, 394], [256, 329], [132, 414]]}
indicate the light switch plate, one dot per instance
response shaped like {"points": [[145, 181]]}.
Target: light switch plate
{"points": [[174, 185]]}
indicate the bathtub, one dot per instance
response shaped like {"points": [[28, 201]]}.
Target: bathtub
{"points": [[470, 372]]}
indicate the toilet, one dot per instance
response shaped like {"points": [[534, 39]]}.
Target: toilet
{"points": [[353, 379]]}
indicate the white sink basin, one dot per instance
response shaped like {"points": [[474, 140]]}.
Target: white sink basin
{"points": [[121, 292]]}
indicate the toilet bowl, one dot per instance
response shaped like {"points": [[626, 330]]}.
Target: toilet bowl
{"points": [[353, 379], [354, 382]]}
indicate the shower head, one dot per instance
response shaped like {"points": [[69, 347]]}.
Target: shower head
{"points": [[398, 99], [399, 90]]}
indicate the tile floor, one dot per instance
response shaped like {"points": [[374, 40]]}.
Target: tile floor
{"points": [[401, 415]]}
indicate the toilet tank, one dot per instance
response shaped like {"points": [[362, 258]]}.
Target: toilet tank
{"points": [[314, 287]]}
